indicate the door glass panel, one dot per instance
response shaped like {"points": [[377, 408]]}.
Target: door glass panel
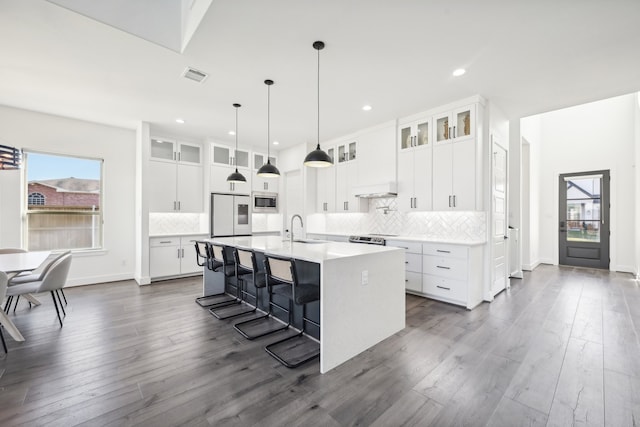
{"points": [[341, 154], [405, 138], [352, 151], [583, 209], [161, 149], [189, 153], [221, 155], [442, 129], [331, 152], [258, 161], [423, 133], [242, 159], [463, 123]]}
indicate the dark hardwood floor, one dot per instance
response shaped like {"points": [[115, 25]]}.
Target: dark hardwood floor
{"points": [[559, 349]]}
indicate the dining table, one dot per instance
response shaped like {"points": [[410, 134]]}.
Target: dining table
{"points": [[13, 264]]}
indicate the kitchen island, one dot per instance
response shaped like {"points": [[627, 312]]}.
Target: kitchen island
{"points": [[362, 290]]}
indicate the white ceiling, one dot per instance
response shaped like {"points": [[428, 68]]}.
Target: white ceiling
{"points": [[527, 57]]}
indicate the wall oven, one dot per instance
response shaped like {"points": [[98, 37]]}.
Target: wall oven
{"points": [[265, 202]]}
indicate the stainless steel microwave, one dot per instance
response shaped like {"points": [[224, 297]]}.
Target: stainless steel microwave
{"points": [[265, 202]]}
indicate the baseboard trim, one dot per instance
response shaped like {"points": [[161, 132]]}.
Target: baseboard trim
{"points": [[626, 269], [94, 280], [530, 267]]}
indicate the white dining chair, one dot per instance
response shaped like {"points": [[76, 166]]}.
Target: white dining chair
{"points": [[36, 276], [54, 279]]}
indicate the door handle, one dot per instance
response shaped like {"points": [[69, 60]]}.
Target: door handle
{"points": [[449, 201]]}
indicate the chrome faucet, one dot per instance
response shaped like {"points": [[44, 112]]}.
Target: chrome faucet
{"points": [[291, 229]]}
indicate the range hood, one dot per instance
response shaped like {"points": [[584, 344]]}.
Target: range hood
{"points": [[386, 189]]}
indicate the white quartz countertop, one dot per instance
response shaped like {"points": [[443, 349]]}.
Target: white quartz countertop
{"points": [[204, 233], [424, 239], [313, 252]]}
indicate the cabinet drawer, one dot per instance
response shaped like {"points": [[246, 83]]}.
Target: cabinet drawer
{"points": [[410, 247], [445, 250], [413, 262], [449, 289], [164, 241], [453, 268], [413, 281], [191, 240]]}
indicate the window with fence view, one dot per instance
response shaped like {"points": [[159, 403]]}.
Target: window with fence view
{"points": [[64, 202]]}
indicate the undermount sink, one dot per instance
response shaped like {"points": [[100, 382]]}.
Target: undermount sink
{"points": [[312, 241]]}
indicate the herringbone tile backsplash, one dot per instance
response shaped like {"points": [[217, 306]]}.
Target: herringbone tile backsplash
{"points": [[384, 218]]}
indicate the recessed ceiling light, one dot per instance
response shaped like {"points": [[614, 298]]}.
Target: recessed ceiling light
{"points": [[181, 121], [367, 108], [275, 143], [459, 72], [232, 132]]}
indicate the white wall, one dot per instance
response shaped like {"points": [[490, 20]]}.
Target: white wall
{"points": [[531, 132], [47, 133], [637, 171], [594, 136]]}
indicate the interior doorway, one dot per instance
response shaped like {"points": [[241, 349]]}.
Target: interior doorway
{"points": [[583, 233]]}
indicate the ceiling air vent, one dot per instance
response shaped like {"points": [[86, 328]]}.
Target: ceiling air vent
{"points": [[195, 75]]}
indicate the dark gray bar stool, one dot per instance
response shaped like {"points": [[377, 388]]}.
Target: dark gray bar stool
{"points": [[205, 258], [231, 270], [246, 259], [283, 271]]}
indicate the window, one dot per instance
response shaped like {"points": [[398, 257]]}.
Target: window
{"points": [[36, 199], [64, 202]]}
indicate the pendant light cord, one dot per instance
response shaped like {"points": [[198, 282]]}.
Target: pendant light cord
{"points": [[235, 154], [268, 121], [318, 98]]}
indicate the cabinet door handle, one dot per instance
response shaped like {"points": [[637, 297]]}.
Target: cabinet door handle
{"points": [[178, 252], [347, 206], [449, 133], [443, 287], [165, 241], [406, 262], [443, 267], [179, 156], [182, 252], [454, 131], [415, 202], [174, 155], [174, 205], [454, 201], [443, 251], [449, 201]]}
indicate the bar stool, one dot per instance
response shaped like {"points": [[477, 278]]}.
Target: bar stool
{"points": [[205, 258], [230, 270], [283, 271], [246, 259]]}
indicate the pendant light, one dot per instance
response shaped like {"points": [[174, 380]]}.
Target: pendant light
{"points": [[236, 176], [268, 170], [318, 158]]}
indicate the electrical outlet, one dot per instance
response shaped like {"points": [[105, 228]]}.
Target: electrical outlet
{"points": [[365, 277]]}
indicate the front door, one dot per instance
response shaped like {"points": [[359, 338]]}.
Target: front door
{"points": [[500, 279], [584, 219]]}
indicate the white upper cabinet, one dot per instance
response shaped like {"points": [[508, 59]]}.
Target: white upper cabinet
{"points": [[415, 165], [224, 160], [259, 183], [347, 179], [455, 125], [176, 176], [415, 134], [326, 186], [224, 155], [454, 176]]}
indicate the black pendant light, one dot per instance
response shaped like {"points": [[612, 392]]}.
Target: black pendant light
{"points": [[268, 170], [318, 158], [236, 176]]}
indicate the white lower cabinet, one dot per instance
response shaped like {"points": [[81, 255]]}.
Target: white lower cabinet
{"points": [[173, 256], [412, 264], [452, 273]]}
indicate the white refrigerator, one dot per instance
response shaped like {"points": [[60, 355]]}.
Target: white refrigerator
{"points": [[230, 215]]}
